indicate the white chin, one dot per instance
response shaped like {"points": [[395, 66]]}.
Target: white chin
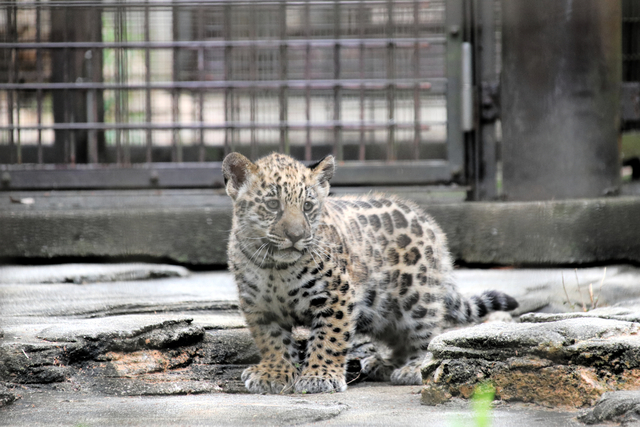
{"points": [[286, 255]]}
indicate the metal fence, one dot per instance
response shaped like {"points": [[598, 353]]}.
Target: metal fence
{"points": [[129, 82]]}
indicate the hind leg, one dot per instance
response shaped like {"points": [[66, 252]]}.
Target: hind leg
{"points": [[412, 353]]}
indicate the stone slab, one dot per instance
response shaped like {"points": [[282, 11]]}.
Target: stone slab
{"points": [[88, 273], [568, 359], [362, 405]]}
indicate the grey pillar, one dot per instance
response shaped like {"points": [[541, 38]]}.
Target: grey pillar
{"points": [[561, 72]]}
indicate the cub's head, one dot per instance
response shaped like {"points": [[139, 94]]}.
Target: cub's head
{"points": [[277, 205]]}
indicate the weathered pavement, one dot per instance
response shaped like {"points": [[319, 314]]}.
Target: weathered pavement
{"points": [[95, 348]]}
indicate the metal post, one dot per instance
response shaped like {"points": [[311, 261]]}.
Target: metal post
{"points": [[13, 37], [416, 75], [455, 136], [391, 91], [361, 28], [307, 77], [253, 75], [39, 74], [337, 92], [560, 116], [485, 187], [201, 78], [147, 79], [228, 105], [284, 134]]}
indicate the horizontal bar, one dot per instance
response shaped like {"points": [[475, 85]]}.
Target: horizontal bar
{"points": [[437, 85], [229, 125], [205, 175], [186, 3], [423, 42]]}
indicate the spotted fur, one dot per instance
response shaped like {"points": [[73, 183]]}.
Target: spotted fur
{"points": [[341, 266]]}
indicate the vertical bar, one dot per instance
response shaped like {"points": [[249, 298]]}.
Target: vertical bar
{"points": [[118, 93], [337, 92], [16, 73], [201, 77], [91, 108], [467, 88], [39, 76], [175, 93], [228, 133], [147, 80], [284, 137], [125, 78], [92, 98], [361, 32], [391, 91], [66, 79], [416, 76], [253, 75], [486, 70], [13, 38], [455, 136], [307, 77]]}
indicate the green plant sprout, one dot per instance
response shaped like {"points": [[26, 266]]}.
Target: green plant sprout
{"points": [[483, 395]]}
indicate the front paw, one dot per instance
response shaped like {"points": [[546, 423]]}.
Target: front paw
{"points": [[269, 379], [315, 382]]}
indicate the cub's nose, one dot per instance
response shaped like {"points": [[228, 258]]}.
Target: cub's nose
{"points": [[294, 235]]}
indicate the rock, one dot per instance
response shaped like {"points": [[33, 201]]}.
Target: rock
{"points": [[7, 396], [88, 273], [618, 407], [568, 363]]}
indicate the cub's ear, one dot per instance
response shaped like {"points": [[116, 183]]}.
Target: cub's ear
{"points": [[236, 169], [324, 169]]}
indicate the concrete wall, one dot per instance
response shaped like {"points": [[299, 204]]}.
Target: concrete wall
{"points": [[191, 227]]}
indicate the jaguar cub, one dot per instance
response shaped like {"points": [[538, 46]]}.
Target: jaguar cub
{"points": [[340, 266]]}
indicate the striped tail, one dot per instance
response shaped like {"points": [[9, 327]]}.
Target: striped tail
{"points": [[461, 310]]}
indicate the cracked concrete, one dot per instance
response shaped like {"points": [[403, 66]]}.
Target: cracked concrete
{"points": [[170, 351]]}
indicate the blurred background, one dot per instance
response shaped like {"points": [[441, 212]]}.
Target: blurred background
{"points": [[481, 100]]}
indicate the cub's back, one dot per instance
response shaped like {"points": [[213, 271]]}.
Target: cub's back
{"points": [[396, 255]]}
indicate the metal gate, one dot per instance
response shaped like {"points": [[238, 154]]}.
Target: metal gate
{"points": [[138, 94]]}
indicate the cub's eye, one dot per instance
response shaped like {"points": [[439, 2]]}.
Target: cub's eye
{"points": [[307, 206], [273, 204]]}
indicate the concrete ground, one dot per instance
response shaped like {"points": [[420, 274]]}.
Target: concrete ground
{"points": [[88, 319]]}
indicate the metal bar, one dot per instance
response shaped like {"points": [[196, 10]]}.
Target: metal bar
{"points": [[184, 3], [65, 101], [253, 72], [201, 77], [361, 29], [425, 125], [92, 115], [424, 42], [467, 111], [39, 74], [147, 80], [307, 76], [434, 85], [455, 136], [118, 94], [486, 188], [284, 58], [176, 155], [391, 69], [92, 97], [228, 133], [337, 93], [12, 56], [416, 75], [207, 175]]}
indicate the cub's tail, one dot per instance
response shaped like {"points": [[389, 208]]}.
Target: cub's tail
{"points": [[461, 310]]}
